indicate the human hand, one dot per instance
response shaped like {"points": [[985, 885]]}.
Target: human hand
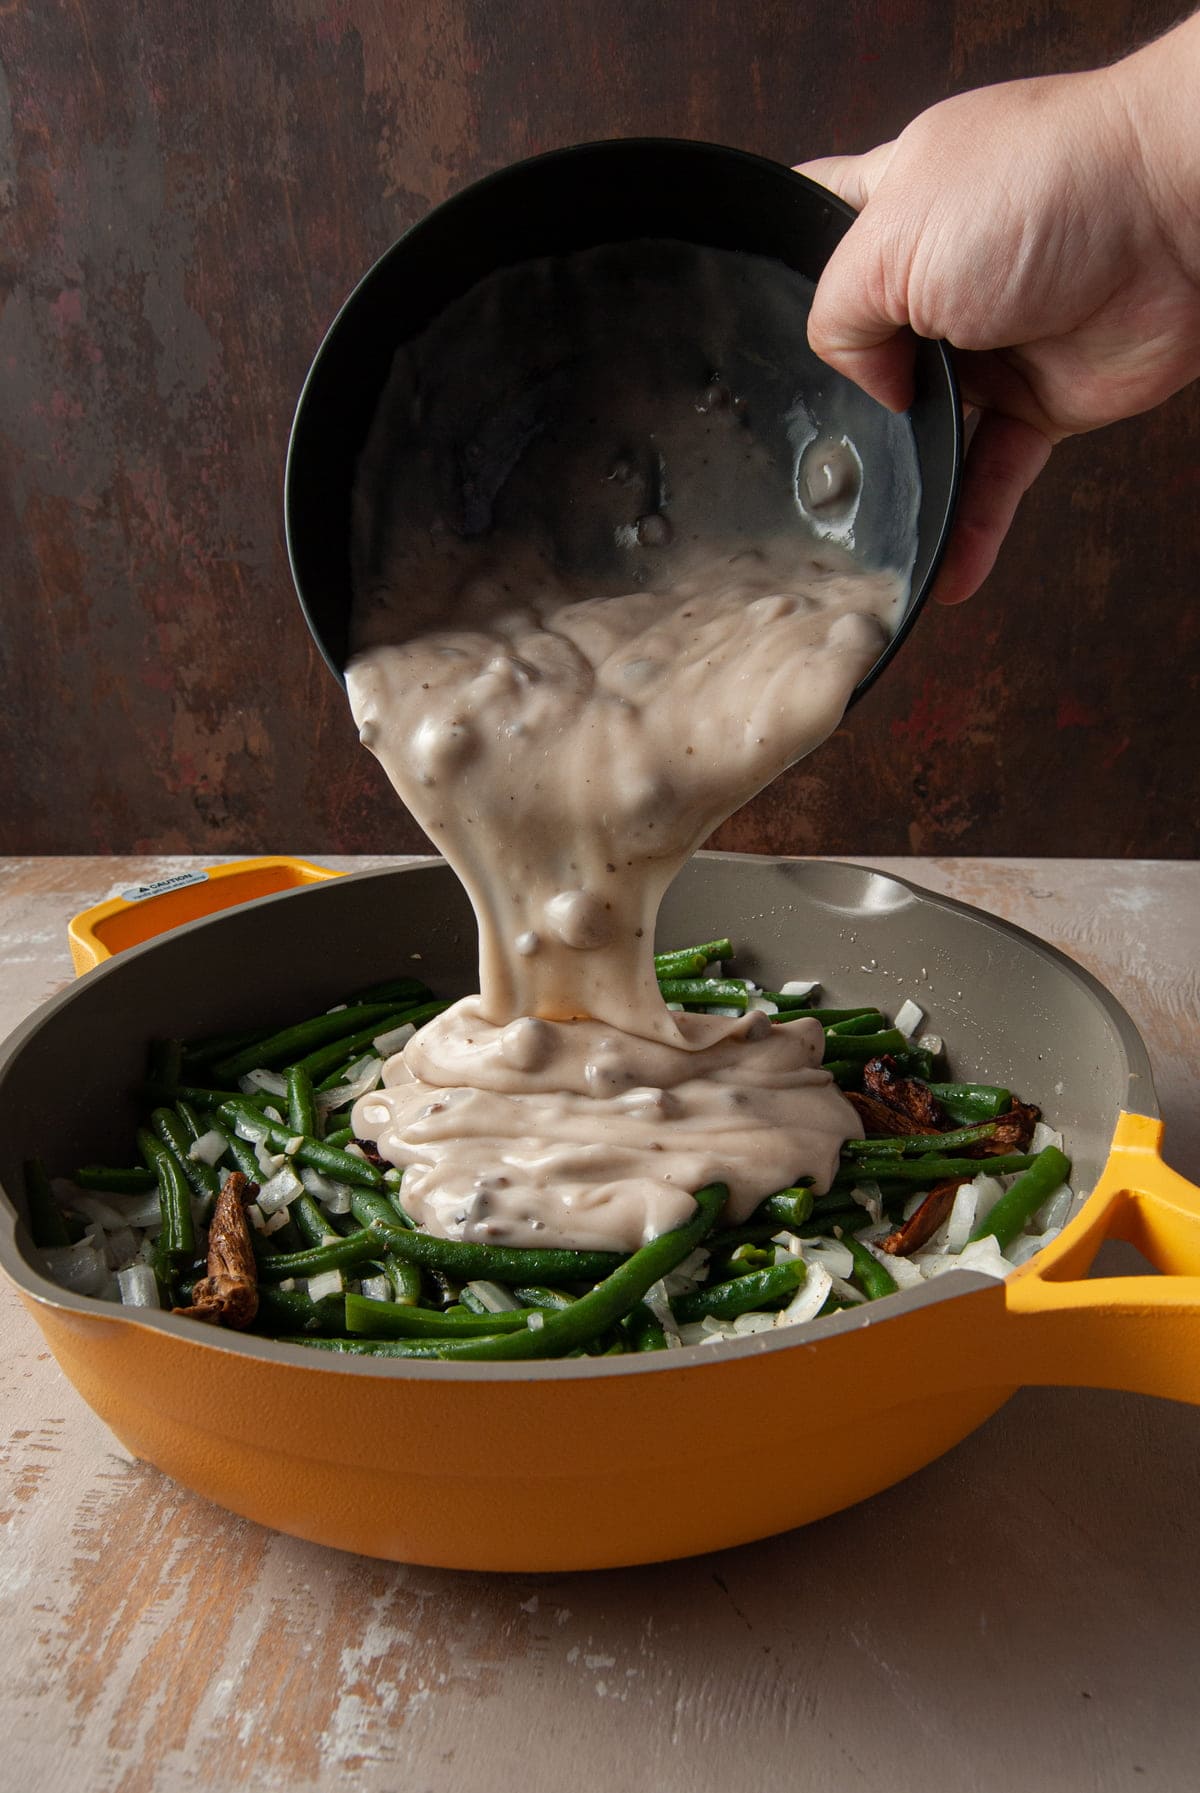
{"points": [[1049, 230]]}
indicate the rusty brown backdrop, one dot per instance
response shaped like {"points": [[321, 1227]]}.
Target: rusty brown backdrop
{"points": [[189, 190]]}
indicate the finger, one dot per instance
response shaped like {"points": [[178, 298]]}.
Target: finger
{"points": [[1005, 457]]}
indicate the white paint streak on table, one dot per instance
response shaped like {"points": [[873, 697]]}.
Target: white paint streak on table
{"points": [[1019, 1615]]}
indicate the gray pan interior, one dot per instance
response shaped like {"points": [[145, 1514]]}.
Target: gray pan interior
{"points": [[1012, 1011]]}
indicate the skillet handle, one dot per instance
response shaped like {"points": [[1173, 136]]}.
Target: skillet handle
{"points": [[150, 909], [1139, 1333]]}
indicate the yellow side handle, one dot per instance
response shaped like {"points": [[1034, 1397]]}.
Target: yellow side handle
{"points": [[146, 910]]}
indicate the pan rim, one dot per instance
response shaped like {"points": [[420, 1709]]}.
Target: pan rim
{"points": [[37, 1289]]}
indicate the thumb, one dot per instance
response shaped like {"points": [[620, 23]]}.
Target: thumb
{"points": [[852, 178], [856, 322]]}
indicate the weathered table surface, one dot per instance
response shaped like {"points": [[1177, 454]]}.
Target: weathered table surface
{"points": [[1021, 1615]]}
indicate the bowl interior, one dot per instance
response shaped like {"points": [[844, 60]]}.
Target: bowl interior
{"points": [[1011, 1009], [557, 204]]}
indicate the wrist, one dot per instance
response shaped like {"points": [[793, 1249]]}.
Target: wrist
{"points": [[1158, 89]]}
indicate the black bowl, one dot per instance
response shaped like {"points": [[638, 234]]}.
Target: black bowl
{"points": [[570, 200]]}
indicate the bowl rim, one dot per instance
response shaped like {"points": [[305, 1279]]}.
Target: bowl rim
{"points": [[37, 1289], [344, 318]]}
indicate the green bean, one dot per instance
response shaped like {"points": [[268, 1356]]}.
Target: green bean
{"points": [[245, 1158], [787, 1207], [680, 965], [343, 1167], [371, 1207], [646, 1331], [708, 950], [46, 1222], [204, 1179], [594, 1313], [405, 1279], [286, 1046], [905, 1143], [177, 1240], [870, 1022], [397, 1320], [553, 1300], [341, 1136], [968, 1102], [191, 1118], [729, 991], [916, 1061], [340, 1051], [827, 1017], [310, 1222], [930, 1169], [873, 1278], [467, 1261], [294, 1310], [846, 1072], [134, 1180], [337, 1254], [1019, 1203], [302, 1115], [740, 1260], [741, 1295], [862, 1046]]}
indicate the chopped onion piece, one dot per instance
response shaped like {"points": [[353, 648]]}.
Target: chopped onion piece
{"points": [[273, 1114], [962, 1216], [254, 1081], [100, 1213], [354, 1150], [268, 1162], [799, 987], [293, 1145], [908, 1018], [655, 1299], [1055, 1211], [763, 1004], [375, 1288], [360, 1078], [1043, 1136], [255, 1216], [1029, 1244], [392, 1041], [830, 1253], [138, 1286], [846, 1291], [676, 1008], [535, 1319], [279, 1190], [496, 1299], [809, 1298], [329, 1282], [337, 1008], [868, 1195], [250, 1127], [750, 1323], [278, 1219], [121, 1248], [905, 1274], [210, 1148], [686, 1276], [984, 1255], [931, 1042], [288, 1284], [79, 1267]]}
